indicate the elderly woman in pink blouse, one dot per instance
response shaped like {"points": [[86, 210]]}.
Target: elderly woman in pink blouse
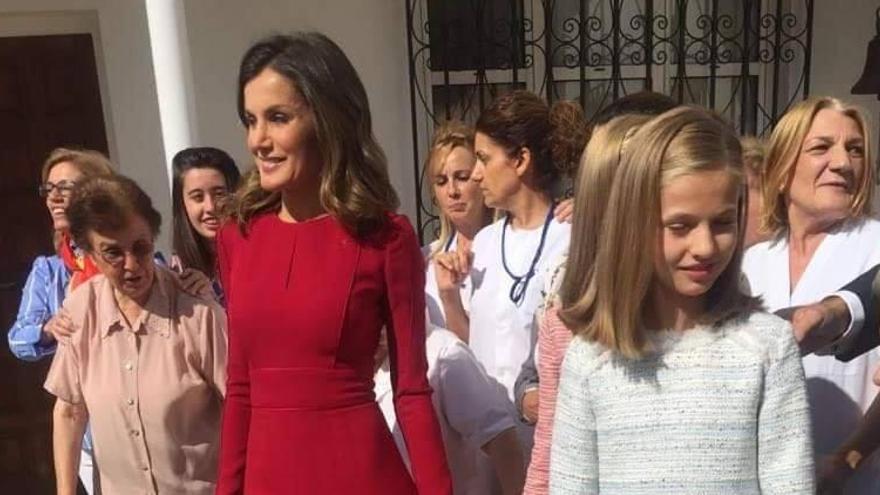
{"points": [[146, 364]]}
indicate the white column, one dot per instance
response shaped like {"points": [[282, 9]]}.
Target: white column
{"points": [[173, 72]]}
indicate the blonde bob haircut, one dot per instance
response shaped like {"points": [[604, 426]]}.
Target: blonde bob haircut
{"points": [[447, 137], [682, 141], [90, 163], [598, 165], [784, 147]]}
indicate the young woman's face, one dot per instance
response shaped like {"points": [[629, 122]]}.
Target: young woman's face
{"points": [[698, 232], [458, 197], [495, 172], [126, 258], [281, 133], [62, 178], [204, 190], [829, 167]]}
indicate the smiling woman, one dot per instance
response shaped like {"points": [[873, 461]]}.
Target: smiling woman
{"points": [[314, 265], [817, 190], [40, 319], [204, 178]]}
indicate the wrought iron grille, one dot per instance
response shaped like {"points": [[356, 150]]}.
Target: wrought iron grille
{"points": [[747, 59]]}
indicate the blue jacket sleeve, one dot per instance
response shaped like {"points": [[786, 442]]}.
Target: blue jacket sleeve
{"points": [[35, 310]]}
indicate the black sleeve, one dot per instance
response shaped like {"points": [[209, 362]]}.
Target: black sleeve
{"points": [[868, 336]]}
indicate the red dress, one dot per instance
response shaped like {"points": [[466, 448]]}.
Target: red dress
{"points": [[306, 304]]}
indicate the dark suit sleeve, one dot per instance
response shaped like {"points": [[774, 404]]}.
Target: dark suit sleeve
{"points": [[862, 340]]}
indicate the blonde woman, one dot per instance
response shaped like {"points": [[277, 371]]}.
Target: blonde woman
{"points": [[462, 214], [595, 175], [662, 327], [41, 319], [817, 190], [34, 332], [479, 430]]}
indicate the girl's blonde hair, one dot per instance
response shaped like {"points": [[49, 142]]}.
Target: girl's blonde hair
{"points": [[785, 145], [599, 163], [682, 141], [447, 137]]}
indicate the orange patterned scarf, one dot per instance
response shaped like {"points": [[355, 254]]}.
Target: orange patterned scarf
{"points": [[81, 267]]}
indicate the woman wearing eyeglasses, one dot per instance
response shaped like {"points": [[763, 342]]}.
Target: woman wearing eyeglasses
{"points": [[146, 365], [33, 334], [40, 322]]}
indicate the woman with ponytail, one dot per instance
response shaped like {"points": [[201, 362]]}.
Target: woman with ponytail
{"points": [[523, 150]]}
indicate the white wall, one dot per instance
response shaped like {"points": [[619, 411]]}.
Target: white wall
{"points": [[371, 32], [125, 75]]}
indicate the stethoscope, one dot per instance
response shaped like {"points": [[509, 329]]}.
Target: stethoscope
{"points": [[521, 282]]}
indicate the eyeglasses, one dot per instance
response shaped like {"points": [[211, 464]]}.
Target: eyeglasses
{"points": [[115, 256], [64, 188]]}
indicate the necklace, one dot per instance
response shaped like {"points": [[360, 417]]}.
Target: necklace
{"points": [[521, 282]]}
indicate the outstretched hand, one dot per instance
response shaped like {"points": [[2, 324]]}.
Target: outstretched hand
{"points": [[817, 325]]}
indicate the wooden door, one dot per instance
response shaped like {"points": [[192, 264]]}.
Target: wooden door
{"points": [[49, 97]]}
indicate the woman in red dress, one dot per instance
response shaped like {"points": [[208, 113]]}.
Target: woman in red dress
{"points": [[313, 266]]}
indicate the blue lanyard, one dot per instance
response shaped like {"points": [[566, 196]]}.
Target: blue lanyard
{"points": [[449, 242], [521, 282]]}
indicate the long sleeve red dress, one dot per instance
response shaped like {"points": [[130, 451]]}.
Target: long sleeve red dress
{"points": [[306, 304]]}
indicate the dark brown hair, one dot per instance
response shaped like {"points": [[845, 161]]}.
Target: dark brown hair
{"points": [[641, 103], [355, 187], [106, 205], [194, 250], [555, 136]]}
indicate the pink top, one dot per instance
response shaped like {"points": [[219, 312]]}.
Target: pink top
{"points": [[153, 388], [553, 340]]}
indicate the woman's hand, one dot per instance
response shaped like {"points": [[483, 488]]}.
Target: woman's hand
{"points": [[451, 269], [530, 406], [58, 327], [196, 283], [564, 211]]}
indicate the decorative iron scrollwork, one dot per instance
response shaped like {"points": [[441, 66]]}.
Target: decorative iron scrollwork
{"points": [[747, 59]]}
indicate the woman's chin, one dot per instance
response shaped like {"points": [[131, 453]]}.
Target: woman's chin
{"points": [[208, 232]]}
